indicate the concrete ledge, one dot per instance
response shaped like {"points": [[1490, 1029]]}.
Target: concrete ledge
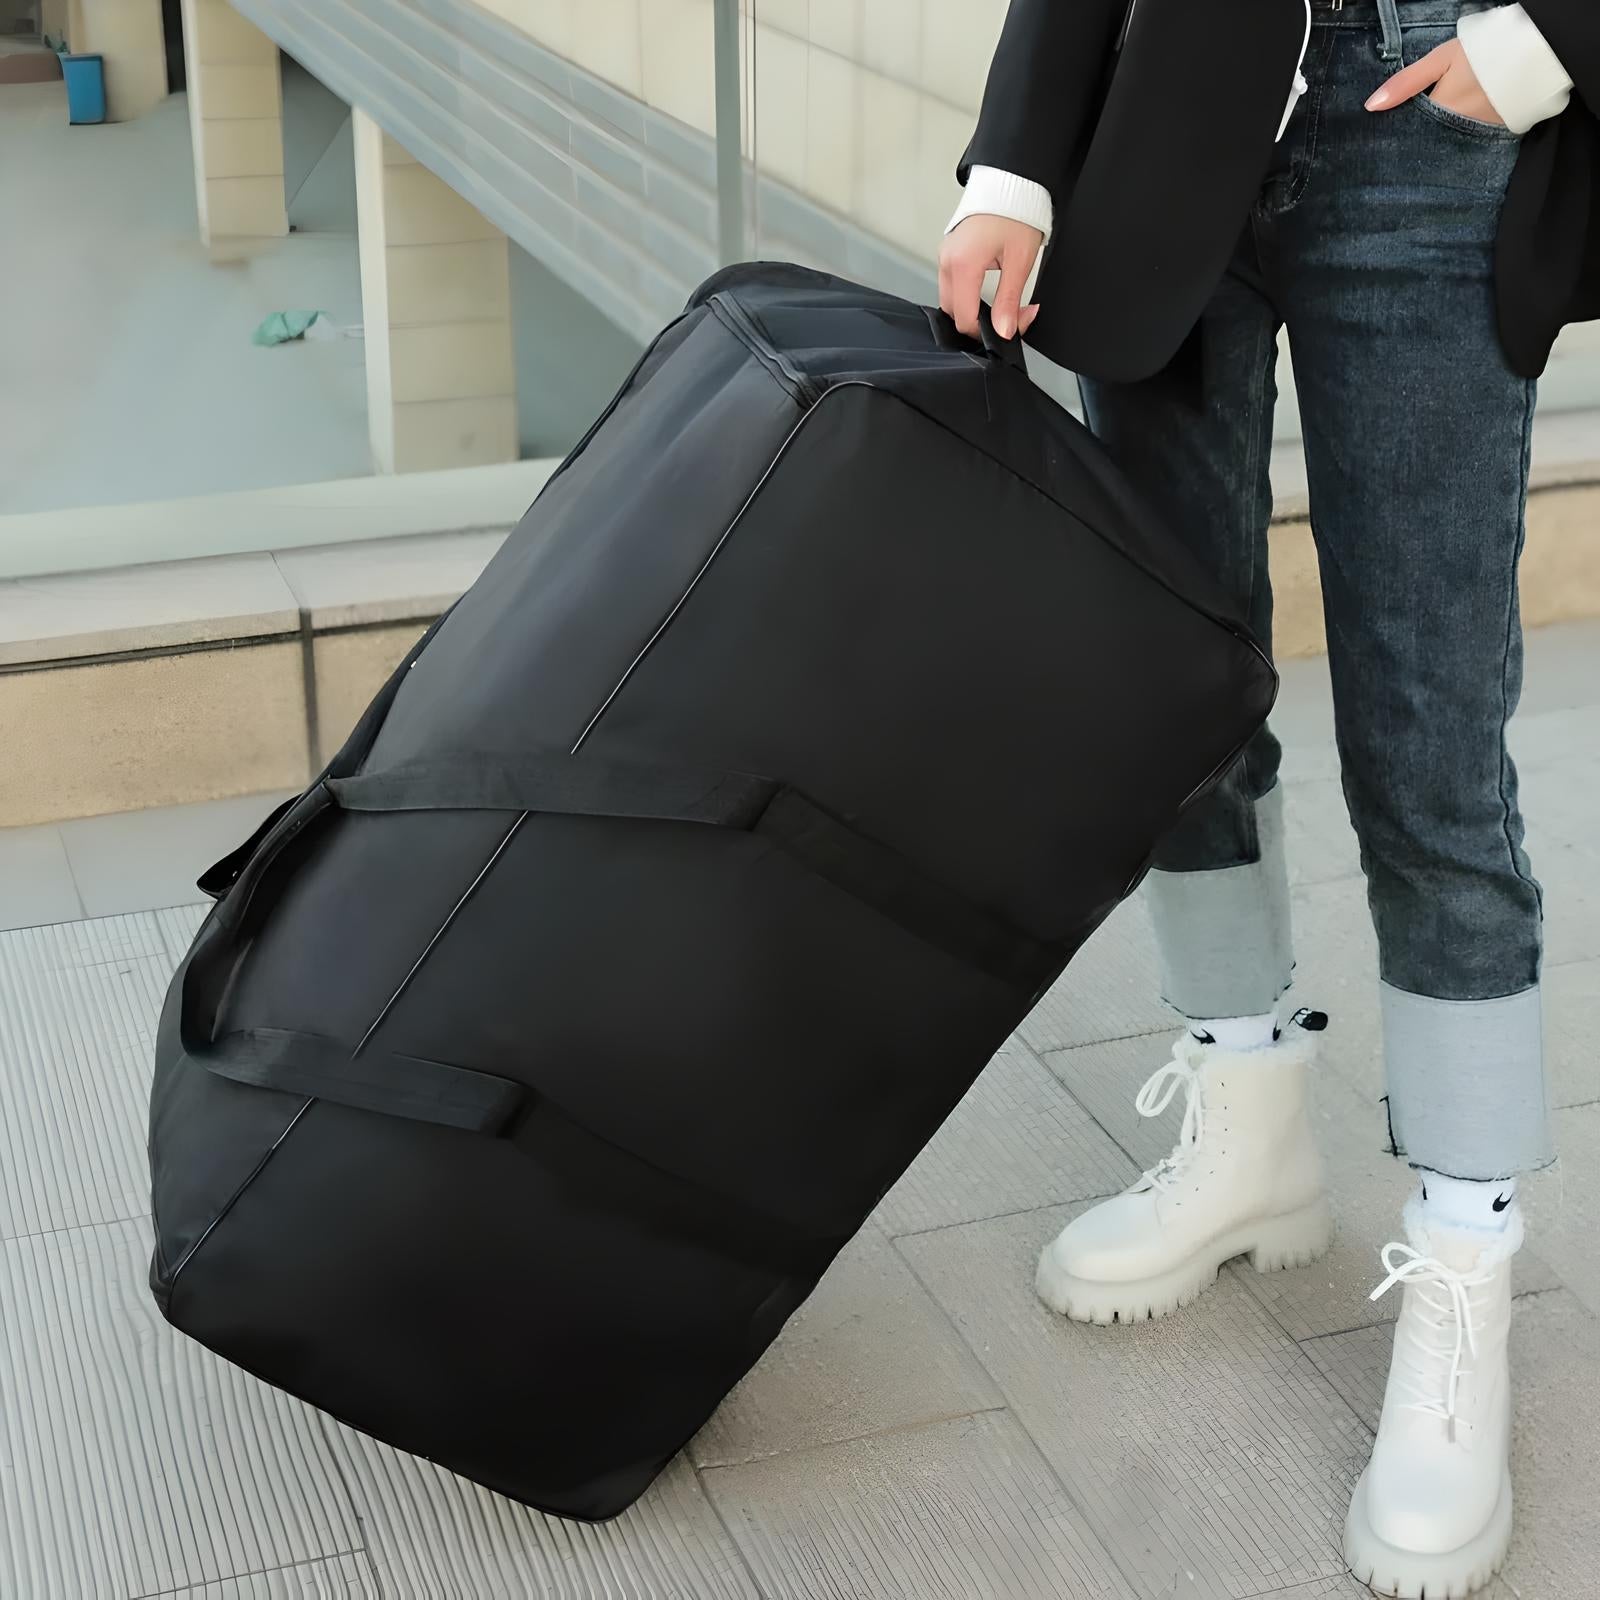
{"points": [[93, 538], [181, 681], [205, 679], [131, 732], [127, 609]]}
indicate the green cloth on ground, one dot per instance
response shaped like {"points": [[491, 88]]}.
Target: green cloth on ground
{"points": [[283, 326]]}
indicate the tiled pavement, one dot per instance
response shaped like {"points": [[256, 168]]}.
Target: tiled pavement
{"points": [[923, 1430]]}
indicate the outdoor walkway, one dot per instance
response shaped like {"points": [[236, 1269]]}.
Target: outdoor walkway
{"points": [[923, 1430], [127, 372]]}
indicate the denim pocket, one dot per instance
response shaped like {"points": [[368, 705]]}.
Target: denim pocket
{"points": [[1494, 132], [1417, 42]]}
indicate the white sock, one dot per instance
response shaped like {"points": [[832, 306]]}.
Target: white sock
{"points": [[1236, 1033], [1467, 1203]]}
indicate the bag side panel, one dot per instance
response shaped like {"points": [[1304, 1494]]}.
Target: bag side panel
{"points": [[540, 1332], [578, 588], [207, 1137], [925, 644], [699, 998]]}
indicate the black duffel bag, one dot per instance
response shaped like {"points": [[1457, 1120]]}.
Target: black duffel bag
{"points": [[536, 1061]]}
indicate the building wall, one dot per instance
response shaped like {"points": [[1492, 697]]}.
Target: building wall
{"points": [[862, 105]]}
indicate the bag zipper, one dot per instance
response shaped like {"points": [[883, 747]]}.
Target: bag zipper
{"points": [[744, 327]]}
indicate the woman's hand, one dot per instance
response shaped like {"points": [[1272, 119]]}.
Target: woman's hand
{"points": [[1447, 77], [983, 244]]}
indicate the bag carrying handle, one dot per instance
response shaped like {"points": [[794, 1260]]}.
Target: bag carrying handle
{"points": [[558, 783], [305, 1063], [1008, 352]]}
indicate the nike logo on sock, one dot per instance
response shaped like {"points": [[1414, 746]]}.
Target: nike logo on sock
{"points": [[1501, 1202]]}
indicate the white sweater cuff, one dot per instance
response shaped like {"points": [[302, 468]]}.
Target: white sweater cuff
{"points": [[1520, 73], [993, 193]]}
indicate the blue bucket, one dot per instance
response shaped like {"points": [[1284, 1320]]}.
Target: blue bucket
{"points": [[86, 87]]}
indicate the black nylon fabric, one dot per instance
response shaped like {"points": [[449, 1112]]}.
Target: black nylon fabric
{"points": [[535, 1063]]}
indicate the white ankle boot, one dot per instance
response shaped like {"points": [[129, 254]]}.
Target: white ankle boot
{"points": [[1245, 1179], [1431, 1515]]}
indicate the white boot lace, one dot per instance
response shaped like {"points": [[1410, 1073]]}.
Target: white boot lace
{"points": [[1159, 1091], [1441, 1330]]}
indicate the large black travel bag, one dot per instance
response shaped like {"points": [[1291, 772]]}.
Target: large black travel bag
{"points": [[536, 1061]]}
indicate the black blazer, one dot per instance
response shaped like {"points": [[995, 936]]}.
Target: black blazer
{"points": [[1154, 156]]}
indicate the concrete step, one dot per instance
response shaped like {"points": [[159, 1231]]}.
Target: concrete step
{"points": [[173, 682]]}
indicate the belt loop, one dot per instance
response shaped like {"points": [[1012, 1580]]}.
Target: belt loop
{"points": [[1389, 15]]}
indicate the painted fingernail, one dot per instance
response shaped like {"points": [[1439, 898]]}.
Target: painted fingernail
{"points": [[1378, 101]]}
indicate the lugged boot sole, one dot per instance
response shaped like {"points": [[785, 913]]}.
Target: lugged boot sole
{"points": [[1293, 1239], [1410, 1575]]}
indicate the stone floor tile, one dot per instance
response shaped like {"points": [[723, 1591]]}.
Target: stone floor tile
{"points": [[1320, 842], [1357, 1365], [1105, 1079], [1017, 1141], [1343, 1587], [1561, 671], [869, 1350], [179, 925], [1571, 880], [78, 1008], [97, 942], [1572, 1046], [1303, 718], [1563, 1206], [137, 861], [1111, 989], [337, 1578], [135, 1461], [431, 1535], [1558, 797], [1555, 1460], [959, 1510], [35, 879], [1205, 1449], [1540, 738]]}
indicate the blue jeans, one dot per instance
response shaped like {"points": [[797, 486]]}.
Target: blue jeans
{"points": [[1372, 242]]}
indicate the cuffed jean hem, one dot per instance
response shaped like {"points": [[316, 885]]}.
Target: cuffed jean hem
{"points": [[1223, 936], [1467, 1092]]}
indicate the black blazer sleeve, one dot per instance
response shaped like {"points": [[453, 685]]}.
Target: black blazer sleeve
{"points": [[1547, 266], [1572, 28], [1044, 87]]}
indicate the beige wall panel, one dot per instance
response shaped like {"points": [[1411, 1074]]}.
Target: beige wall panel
{"points": [[126, 735]]}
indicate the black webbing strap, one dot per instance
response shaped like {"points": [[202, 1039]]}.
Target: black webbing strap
{"points": [[216, 880], [582, 785], [563, 785], [210, 964], [552, 782], [883, 879], [396, 1085], [617, 1177], [480, 1102]]}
